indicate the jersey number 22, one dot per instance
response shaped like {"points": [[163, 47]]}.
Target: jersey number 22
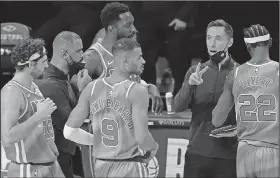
{"points": [[260, 109]]}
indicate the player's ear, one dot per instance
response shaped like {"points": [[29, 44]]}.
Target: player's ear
{"points": [[112, 29], [270, 42], [31, 64]]}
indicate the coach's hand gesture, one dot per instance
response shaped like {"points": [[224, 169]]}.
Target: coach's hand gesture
{"points": [[83, 79], [46, 107], [196, 77]]}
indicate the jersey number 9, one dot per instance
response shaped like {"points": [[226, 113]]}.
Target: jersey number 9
{"points": [[110, 131], [260, 109]]}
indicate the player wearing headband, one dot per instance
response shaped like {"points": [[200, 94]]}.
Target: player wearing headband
{"points": [[26, 126], [253, 88]]}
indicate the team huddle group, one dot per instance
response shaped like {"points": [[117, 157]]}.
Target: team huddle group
{"points": [[116, 103]]}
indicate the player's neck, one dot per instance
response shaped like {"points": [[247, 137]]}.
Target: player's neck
{"points": [[108, 43], [260, 57], [23, 78], [118, 76]]}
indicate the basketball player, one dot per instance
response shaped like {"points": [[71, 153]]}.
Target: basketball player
{"points": [[253, 88], [118, 23], [26, 126], [118, 109]]}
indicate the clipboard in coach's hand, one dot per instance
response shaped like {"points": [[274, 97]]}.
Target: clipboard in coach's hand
{"points": [[227, 131]]}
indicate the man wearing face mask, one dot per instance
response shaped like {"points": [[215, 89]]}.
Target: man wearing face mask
{"points": [[66, 61], [203, 85]]}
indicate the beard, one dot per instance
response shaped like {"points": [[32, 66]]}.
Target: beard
{"points": [[37, 75], [123, 35]]}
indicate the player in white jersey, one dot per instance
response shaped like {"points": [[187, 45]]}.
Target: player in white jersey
{"points": [[254, 89]]}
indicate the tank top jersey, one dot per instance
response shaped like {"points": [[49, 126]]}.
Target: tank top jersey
{"points": [[39, 146], [107, 61], [256, 95], [111, 119]]}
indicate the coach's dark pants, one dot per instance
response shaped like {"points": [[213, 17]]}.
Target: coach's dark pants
{"points": [[201, 166], [66, 163]]}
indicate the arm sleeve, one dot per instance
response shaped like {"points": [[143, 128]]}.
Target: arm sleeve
{"points": [[78, 135], [183, 98]]}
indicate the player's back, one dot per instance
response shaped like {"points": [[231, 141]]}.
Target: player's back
{"points": [[106, 58], [112, 125], [256, 96], [39, 147]]}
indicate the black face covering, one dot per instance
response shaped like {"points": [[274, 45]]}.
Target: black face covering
{"points": [[219, 56], [75, 68]]}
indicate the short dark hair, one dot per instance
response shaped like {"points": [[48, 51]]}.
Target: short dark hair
{"points": [[110, 14], [255, 31], [221, 23], [24, 50], [66, 36], [125, 44]]}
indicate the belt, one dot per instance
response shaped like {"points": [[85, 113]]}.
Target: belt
{"points": [[134, 159], [38, 164]]}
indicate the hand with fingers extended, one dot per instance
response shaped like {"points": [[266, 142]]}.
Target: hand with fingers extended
{"points": [[196, 77], [46, 107]]}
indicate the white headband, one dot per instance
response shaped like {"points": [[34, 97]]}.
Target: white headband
{"points": [[257, 39], [32, 57]]}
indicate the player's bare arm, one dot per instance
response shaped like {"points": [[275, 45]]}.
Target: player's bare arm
{"points": [[140, 101], [225, 103], [80, 113], [12, 104], [93, 63]]}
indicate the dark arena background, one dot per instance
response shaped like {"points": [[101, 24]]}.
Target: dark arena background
{"points": [[46, 19]]}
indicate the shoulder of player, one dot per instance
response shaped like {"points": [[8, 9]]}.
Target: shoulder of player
{"points": [[12, 95], [139, 90], [90, 86], [90, 54]]}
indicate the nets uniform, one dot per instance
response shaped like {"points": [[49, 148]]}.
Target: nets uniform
{"points": [[114, 147], [256, 95], [35, 155]]}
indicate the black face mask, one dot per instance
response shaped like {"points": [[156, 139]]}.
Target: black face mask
{"points": [[75, 67], [219, 56]]}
